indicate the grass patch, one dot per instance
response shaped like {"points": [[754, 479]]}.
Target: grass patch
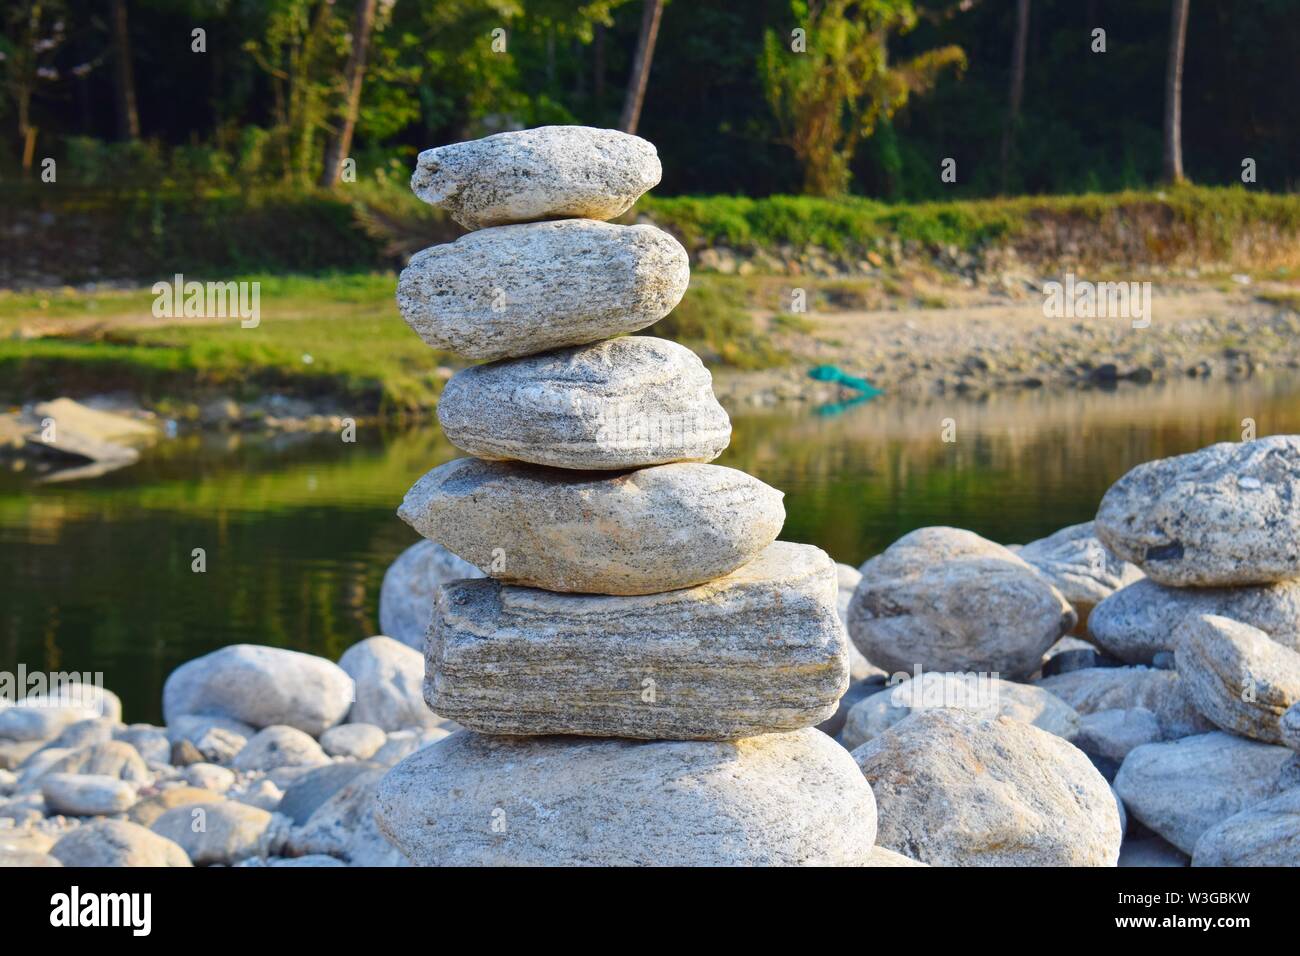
{"points": [[338, 336], [714, 321], [1142, 227]]}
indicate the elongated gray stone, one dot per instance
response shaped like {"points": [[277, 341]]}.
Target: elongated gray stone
{"points": [[956, 789], [1182, 788], [1238, 677], [1081, 568], [1145, 618], [776, 800], [261, 686], [517, 290], [1224, 515], [945, 599], [551, 172], [981, 695], [756, 652], [624, 403], [640, 532]]}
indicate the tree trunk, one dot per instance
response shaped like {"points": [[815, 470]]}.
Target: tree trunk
{"points": [[1173, 156], [1017, 92], [598, 66], [354, 73], [128, 120], [645, 50]]}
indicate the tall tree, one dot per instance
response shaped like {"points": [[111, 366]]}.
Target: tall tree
{"points": [[829, 95], [645, 51], [1017, 92], [353, 75], [1173, 153], [128, 119]]}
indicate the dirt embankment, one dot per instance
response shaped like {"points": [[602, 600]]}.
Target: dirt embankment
{"points": [[1190, 332]]}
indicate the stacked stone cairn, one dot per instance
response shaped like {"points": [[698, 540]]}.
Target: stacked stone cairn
{"points": [[641, 671]]}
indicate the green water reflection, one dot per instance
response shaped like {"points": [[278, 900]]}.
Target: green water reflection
{"points": [[298, 530]]}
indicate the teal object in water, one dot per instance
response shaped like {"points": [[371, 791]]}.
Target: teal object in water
{"points": [[833, 373]]}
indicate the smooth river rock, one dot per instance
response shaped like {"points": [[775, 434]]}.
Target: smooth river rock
{"points": [[775, 800], [516, 290], [640, 532], [1267, 834], [983, 696], [758, 651], [1162, 692], [410, 589], [39, 717], [623, 403], [1145, 618], [1082, 569], [260, 686], [1224, 515], [389, 680], [945, 599], [1182, 788], [957, 789], [1237, 676], [86, 795], [117, 843], [551, 172], [223, 832]]}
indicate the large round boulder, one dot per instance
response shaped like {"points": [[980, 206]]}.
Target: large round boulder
{"points": [[944, 599]]}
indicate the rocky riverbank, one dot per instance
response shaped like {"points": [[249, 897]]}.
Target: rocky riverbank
{"points": [[1105, 654], [1110, 659]]}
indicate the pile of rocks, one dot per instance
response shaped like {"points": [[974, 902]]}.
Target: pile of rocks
{"points": [[277, 753], [641, 670], [1218, 534], [1184, 693]]}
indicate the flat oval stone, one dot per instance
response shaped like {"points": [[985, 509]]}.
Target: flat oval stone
{"points": [[793, 799], [1224, 515], [1138, 622], [1237, 677], [623, 403], [517, 290], [756, 652], [945, 599], [640, 532], [1182, 788], [552, 172]]}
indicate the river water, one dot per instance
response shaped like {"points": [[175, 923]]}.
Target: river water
{"points": [[297, 530]]}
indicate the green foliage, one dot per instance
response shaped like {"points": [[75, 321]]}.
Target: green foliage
{"points": [[830, 86], [715, 322]]}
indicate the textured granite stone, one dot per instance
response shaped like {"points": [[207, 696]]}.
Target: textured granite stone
{"points": [[758, 651], [956, 789], [551, 172], [775, 800], [517, 290], [1237, 676], [1224, 515], [623, 403], [640, 532], [945, 599]]}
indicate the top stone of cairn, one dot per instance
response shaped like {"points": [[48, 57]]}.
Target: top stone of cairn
{"points": [[552, 172]]}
